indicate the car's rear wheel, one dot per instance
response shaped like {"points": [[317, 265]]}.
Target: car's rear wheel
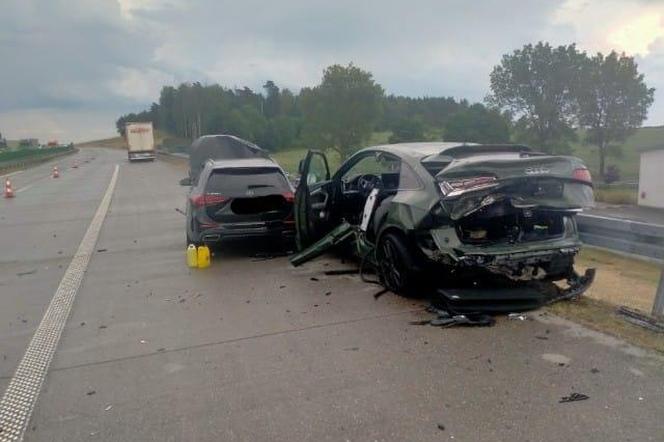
{"points": [[395, 264]]}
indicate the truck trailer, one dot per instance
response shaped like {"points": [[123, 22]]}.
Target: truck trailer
{"points": [[140, 141]]}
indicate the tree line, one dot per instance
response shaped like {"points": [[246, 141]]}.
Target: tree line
{"points": [[341, 113], [541, 95]]}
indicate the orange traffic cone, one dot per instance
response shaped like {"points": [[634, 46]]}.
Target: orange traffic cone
{"points": [[9, 192], [56, 172]]}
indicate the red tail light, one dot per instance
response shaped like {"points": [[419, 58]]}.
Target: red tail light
{"points": [[457, 186], [289, 196], [582, 174], [207, 199]]}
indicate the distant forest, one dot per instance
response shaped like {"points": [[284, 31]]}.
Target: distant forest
{"points": [[347, 100]]}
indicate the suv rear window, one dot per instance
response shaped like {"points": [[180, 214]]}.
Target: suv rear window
{"points": [[239, 182]]}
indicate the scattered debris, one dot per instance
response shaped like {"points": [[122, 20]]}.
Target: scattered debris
{"points": [[29, 272], [313, 278], [102, 327], [91, 392], [328, 293], [641, 319], [441, 427], [517, 317], [380, 293], [446, 319], [594, 370], [574, 397], [108, 407], [178, 210], [479, 320], [82, 323], [101, 250], [143, 341], [282, 286], [342, 272]]}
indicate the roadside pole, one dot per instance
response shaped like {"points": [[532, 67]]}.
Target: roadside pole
{"points": [[658, 306]]}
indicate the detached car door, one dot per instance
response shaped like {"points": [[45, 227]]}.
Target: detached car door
{"points": [[313, 198]]}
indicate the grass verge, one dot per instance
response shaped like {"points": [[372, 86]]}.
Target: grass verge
{"points": [[619, 281], [600, 316]]}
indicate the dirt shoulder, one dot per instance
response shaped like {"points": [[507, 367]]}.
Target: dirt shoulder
{"points": [[620, 281]]}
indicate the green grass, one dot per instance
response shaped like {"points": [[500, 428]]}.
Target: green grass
{"points": [[616, 195], [21, 154], [290, 159], [630, 152]]}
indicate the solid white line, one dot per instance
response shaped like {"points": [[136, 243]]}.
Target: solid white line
{"points": [[24, 188], [9, 175], [21, 395]]}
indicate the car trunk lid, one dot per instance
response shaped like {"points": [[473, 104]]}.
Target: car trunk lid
{"points": [[526, 180]]}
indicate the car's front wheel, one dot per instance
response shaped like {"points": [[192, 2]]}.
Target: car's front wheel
{"points": [[395, 264]]}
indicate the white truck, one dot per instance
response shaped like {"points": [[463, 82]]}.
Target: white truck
{"points": [[140, 141]]}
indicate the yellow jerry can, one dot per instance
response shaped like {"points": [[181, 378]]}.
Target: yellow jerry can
{"points": [[203, 257], [192, 256]]}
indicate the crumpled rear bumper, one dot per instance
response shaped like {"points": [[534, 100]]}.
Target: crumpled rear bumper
{"points": [[514, 297]]}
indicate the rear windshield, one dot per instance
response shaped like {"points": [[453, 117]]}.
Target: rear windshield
{"points": [[254, 181]]}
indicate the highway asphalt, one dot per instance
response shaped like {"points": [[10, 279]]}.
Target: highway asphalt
{"points": [[252, 349]]}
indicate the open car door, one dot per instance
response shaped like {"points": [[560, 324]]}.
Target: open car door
{"points": [[313, 198]]}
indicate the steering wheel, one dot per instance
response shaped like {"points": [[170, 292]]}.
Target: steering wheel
{"points": [[366, 183]]}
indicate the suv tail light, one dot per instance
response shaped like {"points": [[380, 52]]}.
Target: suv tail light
{"points": [[458, 186], [207, 199], [582, 174], [288, 196]]}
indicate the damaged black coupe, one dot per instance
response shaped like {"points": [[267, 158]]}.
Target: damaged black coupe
{"points": [[489, 225]]}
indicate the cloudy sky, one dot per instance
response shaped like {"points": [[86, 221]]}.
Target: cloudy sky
{"points": [[68, 68]]}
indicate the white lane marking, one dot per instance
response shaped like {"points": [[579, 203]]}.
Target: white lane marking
{"points": [[24, 188], [9, 175], [21, 395]]}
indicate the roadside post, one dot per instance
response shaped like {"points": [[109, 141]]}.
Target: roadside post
{"points": [[658, 306]]}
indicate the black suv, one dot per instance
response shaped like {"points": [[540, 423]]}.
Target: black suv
{"points": [[235, 198]]}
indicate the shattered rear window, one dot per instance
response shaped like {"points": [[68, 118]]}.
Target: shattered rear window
{"points": [[237, 181]]}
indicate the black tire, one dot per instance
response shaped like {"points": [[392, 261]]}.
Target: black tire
{"points": [[395, 264]]}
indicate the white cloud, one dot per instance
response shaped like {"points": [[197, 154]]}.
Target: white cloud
{"points": [[64, 125], [111, 57], [625, 26], [139, 85], [129, 8]]}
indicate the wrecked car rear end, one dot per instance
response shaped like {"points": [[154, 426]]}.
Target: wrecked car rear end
{"points": [[476, 222], [508, 212]]}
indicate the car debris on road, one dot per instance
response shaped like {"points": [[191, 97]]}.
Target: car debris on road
{"points": [[488, 227], [574, 397]]}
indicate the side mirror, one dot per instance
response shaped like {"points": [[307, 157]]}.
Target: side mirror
{"points": [[300, 167], [185, 181]]}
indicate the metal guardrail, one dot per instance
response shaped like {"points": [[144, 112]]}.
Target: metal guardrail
{"points": [[623, 235], [179, 155], [28, 161]]}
